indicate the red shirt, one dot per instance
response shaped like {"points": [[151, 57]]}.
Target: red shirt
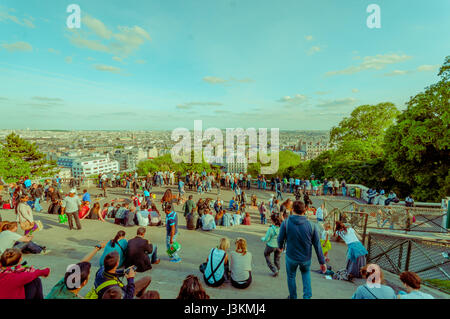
{"points": [[12, 283]]}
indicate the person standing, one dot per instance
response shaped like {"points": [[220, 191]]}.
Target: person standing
{"points": [[70, 206], [300, 236], [272, 246], [171, 231]]}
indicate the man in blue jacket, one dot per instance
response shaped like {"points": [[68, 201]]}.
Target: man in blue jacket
{"points": [[300, 235]]}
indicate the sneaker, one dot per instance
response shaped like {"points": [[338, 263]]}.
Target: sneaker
{"points": [[39, 225], [275, 274], [175, 260]]}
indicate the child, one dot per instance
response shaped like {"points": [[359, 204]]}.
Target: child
{"points": [[325, 240], [272, 245], [247, 219], [262, 212]]}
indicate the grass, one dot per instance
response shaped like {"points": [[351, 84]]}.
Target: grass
{"points": [[443, 285]]}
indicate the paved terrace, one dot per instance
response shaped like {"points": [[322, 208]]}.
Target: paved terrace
{"points": [[68, 247]]}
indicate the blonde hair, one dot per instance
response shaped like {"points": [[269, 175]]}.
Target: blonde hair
{"points": [[241, 246], [224, 244]]}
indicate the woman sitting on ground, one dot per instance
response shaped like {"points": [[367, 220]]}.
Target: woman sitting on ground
{"points": [[411, 281], [215, 270], [356, 252], [375, 287], [9, 238], [106, 209], [95, 212], [17, 281], [154, 218], [84, 210], [142, 215], [219, 217], [246, 220], [241, 265], [192, 289], [118, 244]]}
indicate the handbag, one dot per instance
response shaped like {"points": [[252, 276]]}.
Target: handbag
{"points": [[63, 219], [26, 224]]}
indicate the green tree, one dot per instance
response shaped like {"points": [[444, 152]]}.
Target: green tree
{"points": [[360, 136], [12, 167], [36, 165], [417, 146]]}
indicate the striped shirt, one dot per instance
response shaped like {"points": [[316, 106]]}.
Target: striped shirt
{"points": [[172, 219]]}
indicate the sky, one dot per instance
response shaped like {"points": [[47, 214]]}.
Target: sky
{"points": [[159, 65]]}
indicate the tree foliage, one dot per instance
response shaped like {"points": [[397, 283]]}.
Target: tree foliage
{"points": [[417, 146], [360, 136], [24, 157]]}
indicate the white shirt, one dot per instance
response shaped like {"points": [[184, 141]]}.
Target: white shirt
{"points": [[319, 213], [349, 237], [8, 239]]}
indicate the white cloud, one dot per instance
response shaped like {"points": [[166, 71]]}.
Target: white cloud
{"points": [[293, 100], [314, 49], [96, 26], [349, 101], [397, 72], [51, 50], [116, 58], [322, 92], [427, 67], [107, 68], [308, 37], [376, 62], [355, 90], [122, 43], [214, 80], [190, 105], [68, 59], [217, 80], [17, 46], [141, 61], [5, 17]]}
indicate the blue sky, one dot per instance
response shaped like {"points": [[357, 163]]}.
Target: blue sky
{"points": [[253, 63]]}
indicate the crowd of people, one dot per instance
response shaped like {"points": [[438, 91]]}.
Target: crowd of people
{"points": [[290, 232]]}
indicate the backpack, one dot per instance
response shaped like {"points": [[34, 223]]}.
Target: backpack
{"points": [[93, 294]]}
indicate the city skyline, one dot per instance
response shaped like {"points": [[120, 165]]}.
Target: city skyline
{"points": [[158, 66]]}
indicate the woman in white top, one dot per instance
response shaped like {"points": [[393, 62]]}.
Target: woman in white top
{"points": [[25, 215], [241, 265], [356, 252]]}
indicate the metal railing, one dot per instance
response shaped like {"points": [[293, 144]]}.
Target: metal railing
{"points": [[426, 256]]}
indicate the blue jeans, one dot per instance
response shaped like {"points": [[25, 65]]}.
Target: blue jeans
{"points": [[291, 270], [175, 255], [344, 191], [154, 255]]}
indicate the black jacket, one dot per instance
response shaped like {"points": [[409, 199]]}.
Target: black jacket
{"points": [[137, 254]]}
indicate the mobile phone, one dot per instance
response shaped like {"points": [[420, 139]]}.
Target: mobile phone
{"points": [[127, 271]]}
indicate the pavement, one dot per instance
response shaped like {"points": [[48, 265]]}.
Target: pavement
{"points": [[70, 246]]}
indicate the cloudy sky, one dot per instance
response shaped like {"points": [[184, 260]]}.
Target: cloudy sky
{"points": [[160, 64]]}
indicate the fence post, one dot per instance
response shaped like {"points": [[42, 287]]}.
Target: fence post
{"points": [[365, 228], [368, 248], [408, 255]]}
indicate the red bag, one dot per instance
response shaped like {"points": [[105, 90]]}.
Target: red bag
{"points": [[7, 206]]}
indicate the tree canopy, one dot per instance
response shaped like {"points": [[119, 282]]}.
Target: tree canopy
{"points": [[417, 146], [19, 157]]}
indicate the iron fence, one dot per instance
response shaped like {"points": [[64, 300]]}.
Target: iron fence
{"points": [[426, 256]]}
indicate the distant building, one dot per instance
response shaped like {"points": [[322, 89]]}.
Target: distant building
{"points": [[127, 159], [313, 149], [94, 166]]}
